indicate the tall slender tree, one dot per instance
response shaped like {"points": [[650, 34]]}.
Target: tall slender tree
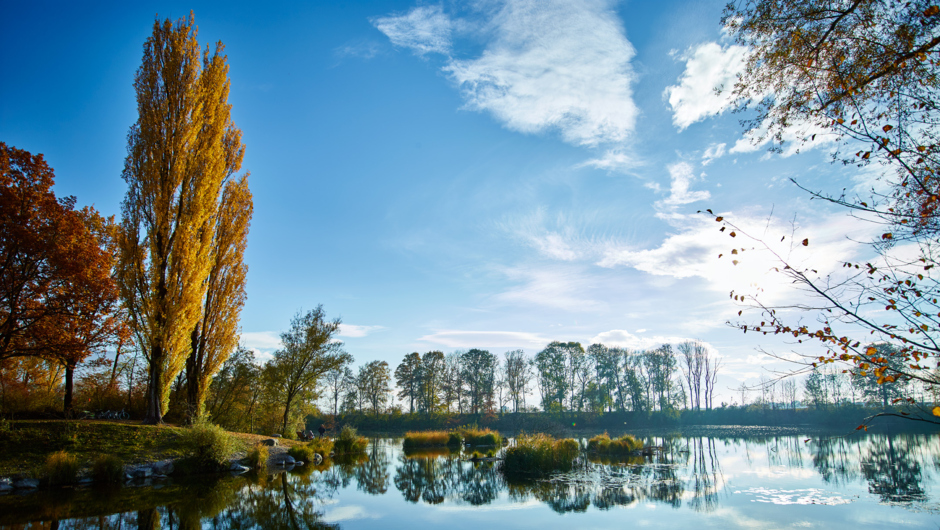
{"points": [[180, 152], [216, 335]]}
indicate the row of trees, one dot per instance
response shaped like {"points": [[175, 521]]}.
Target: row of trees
{"points": [[565, 375]]}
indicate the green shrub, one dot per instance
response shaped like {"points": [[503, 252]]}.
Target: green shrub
{"points": [[349, 441], [303, 453], [258, 458], [208, 446], [625, 445], [539, 454], [454, 439], [107, 469], [61, 468], [322, 446]]}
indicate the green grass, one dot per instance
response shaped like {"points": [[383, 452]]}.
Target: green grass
{"points": [[25, 444], [349, 441], [539, 454], [625, 445]]}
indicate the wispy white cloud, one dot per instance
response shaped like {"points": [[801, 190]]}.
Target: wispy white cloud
{"points": [[567, 287], [486, 339], [616, 160], [424, 29], [354, 331], [560, 65], [705, 86], [681, 177], [554, 239], [362, 49], [624, 339], [713, 152]]}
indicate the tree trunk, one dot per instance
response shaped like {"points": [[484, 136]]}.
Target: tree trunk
{"points": [[193, 379], [286, 415], [154, 414], [69, 373]]}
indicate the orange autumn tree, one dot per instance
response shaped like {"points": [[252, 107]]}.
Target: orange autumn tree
{"points": [[57, 299]]}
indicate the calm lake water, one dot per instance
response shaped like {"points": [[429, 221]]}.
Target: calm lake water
{"points": [[865, 481]]}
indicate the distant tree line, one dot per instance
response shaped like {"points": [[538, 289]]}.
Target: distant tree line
{"points": [[565, 376]]}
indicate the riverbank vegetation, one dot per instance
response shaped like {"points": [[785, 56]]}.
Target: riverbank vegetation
{"points": [[414, 440], [539, 454], [468, 435], [349, 441], [624, 445]]}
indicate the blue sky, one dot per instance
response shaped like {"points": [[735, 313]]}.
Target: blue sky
{"points": [[493, 174]]}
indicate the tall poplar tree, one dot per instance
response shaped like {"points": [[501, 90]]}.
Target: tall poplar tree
{"points": [[181, 151], [215, 337]]}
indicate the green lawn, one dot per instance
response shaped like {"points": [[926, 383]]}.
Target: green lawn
{"points": [[24, 445]]}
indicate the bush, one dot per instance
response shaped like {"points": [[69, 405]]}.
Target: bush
{"points": [[349, 441], [454, 439], [107, 469], [474, 436], [258, 458], [302, 453], [625, 445], [322, 446], [539, 454], [61, 468], [208, 446], [427, 439]]}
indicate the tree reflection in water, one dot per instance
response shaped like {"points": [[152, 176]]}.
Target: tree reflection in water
{"points": [[372, 475], [436, 476], [705, 476], [891, 466]]}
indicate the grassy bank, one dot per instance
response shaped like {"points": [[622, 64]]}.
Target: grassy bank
{"points": [[26, 444]]}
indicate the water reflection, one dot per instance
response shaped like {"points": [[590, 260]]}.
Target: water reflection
{"points": [[372, 474], [687, 473], [435, 476]]}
